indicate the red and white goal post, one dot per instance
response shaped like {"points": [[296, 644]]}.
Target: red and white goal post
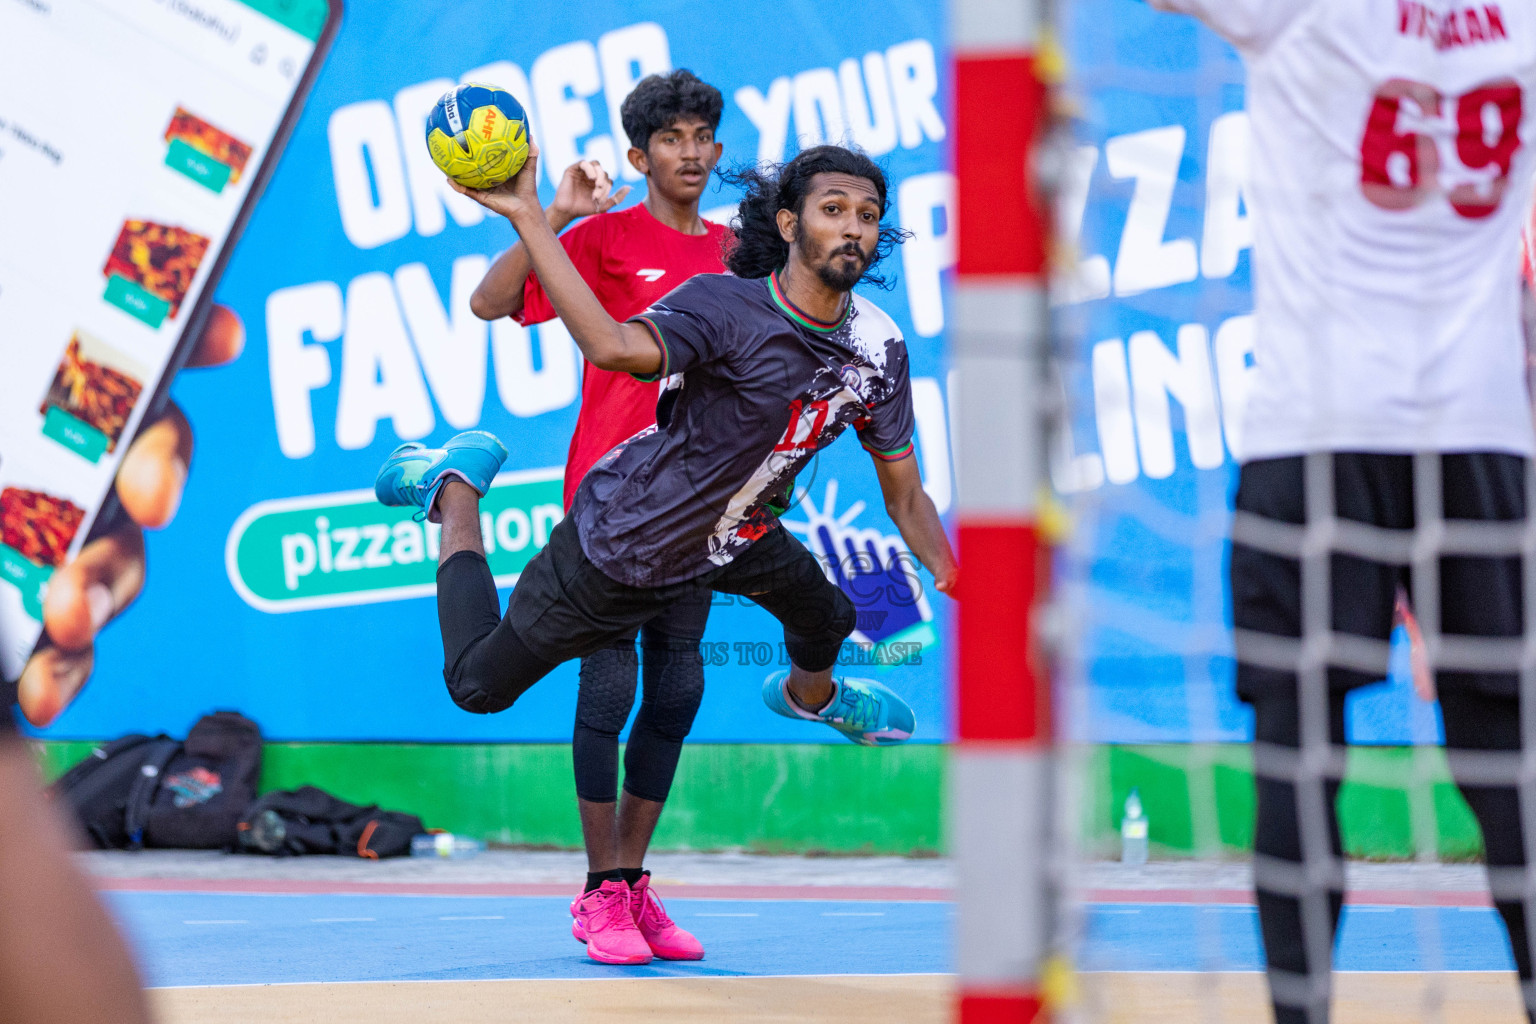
{"points": [[999, 795]]}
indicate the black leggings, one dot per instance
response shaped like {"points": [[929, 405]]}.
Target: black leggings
{"points": [[564, 607], [673, 689], [1473, 721], [474, 649]]}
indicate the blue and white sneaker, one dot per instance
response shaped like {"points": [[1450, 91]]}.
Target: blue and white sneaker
{"points": [[414, 473], [865, 711]]}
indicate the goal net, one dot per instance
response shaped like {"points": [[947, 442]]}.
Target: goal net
{"points": [[1157, 771]]}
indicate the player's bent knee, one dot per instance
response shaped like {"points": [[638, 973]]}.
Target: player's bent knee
{"points": [[845, 618], [827, 621], [480, 696], [822, 639], [491, 676]]}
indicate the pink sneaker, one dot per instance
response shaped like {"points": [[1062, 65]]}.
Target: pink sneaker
{"points": [[604, 922], [661, 933]]}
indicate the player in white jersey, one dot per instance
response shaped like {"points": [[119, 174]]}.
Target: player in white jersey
{"points": [[1391, 168]]}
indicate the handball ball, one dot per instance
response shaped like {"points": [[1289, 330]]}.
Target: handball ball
{"points": [[478, 135]]}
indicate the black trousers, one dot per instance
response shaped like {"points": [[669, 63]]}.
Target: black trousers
{"points": [[1478, 596], [565, 607]]}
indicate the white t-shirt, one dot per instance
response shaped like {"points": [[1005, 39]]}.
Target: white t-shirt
{"points": [[1391, 170]]}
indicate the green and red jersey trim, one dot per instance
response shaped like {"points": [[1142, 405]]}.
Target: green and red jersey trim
{"points": [[799, 316], [894, 455], [666, 357]]}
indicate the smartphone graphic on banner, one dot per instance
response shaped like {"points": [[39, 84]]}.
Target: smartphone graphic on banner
{"points": [[135, 137]]}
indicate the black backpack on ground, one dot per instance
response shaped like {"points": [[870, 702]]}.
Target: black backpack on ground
{"points": [[310, 820], [156, 791], [207, 786], [112, 777]]}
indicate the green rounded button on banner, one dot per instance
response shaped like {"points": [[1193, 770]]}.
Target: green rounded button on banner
{"points": [[136, 301], [330, 550], [25, 575], [75, 434], [197, 165]]}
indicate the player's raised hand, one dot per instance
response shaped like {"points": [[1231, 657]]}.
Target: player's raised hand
{"points": [[585, 188], [516, 196], [107, 575]]}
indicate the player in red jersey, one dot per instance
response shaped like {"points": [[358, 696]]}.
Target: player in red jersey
{"points": [[630, 258]]}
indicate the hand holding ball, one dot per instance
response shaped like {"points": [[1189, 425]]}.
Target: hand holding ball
{"points": [[478, 135]]}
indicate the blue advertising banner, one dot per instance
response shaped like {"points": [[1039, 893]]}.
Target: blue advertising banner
{"points": [[1154, 306], [282, 588]]}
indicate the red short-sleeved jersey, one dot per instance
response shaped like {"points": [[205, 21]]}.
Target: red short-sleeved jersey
{"points": [[629, 259]]}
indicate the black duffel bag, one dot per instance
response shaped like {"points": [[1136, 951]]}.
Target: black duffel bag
{"points": [[284, 823]]}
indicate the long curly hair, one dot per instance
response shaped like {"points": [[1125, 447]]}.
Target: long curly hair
{"points": [[758, 249]]}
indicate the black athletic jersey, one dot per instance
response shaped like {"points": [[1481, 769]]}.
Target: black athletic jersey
{"points": [[764, 388]]}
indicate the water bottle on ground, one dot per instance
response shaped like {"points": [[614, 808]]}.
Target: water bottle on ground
{"points": [[443, 844], [1133, 832]]}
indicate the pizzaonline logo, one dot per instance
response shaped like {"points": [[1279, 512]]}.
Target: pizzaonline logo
{"points": [[329, 550]]}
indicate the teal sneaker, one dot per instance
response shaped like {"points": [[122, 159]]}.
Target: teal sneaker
{"points": [[414, 473], [865, 711]]}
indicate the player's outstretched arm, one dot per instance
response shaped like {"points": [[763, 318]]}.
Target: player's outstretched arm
{"points": [[607, 344], [585, 189], [915, 516]]}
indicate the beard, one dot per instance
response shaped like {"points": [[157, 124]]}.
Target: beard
{"points": [[834, 272]]}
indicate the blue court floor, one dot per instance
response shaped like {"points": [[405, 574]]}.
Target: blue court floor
{"points": [[241, 939], [196, 939], [1131, 937]]}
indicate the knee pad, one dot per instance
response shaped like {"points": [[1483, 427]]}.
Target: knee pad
{"points": [[470, 693], [494, 671], [674, 688], [828, 616], [817, 649], [606, 692], [845, 617]]}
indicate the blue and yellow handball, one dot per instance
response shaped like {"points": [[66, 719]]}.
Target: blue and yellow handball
{"points": [[478, 135]]}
